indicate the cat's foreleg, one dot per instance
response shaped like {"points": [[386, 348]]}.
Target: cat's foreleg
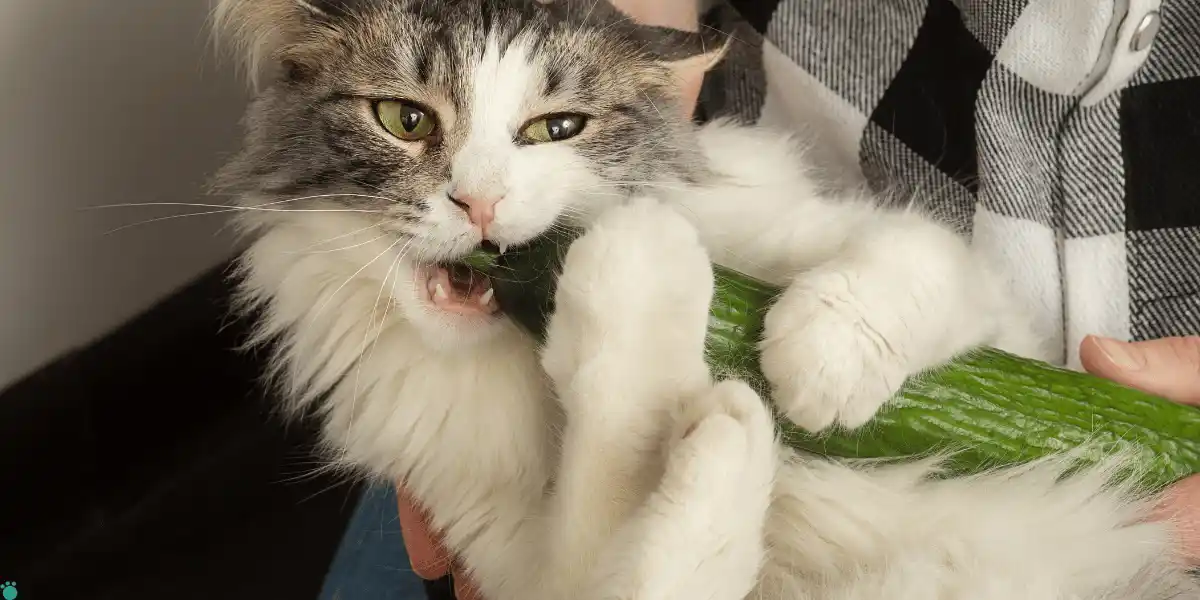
{"points": [[700, 534], [872, 294], [901, 295], [624, 347]]}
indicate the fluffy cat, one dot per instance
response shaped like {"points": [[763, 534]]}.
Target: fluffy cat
{"points": [[390, 137]]}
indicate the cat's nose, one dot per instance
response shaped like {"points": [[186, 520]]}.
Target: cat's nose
{"points": [[481, 210]]}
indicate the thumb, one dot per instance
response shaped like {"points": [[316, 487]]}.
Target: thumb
{"points": [[1168, 367]]}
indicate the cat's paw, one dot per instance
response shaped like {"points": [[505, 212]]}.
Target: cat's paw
{"points": [[826, 361], [724, 442], [635, 290], [715, 495]]}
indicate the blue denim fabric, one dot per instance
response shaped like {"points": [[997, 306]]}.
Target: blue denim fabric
{"points": [[371, 563]]}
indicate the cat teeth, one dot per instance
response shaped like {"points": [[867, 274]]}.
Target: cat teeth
{"points": [[466, 303], [431, 285], [503, 248]]}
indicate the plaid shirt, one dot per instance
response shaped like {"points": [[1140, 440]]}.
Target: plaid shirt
{"points": [[1063, 136]]}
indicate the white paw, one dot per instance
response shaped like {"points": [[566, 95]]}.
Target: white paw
{"points": [[715, 495], [724, 443], [826, 362], [635, 288]]}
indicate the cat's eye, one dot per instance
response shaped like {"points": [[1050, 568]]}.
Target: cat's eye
{"points": [[553, 128], [405, 120]]}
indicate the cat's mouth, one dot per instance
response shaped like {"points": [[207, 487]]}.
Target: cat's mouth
{"points": [[459, 289]]}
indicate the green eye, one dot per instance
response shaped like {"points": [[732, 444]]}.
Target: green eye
{"points": [[405, 120], [554, 128]]}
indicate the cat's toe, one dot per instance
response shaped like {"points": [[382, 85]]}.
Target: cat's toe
{"points": [[732, 426], [838, 383], [738, 400], [825, 363], [709, 454]]}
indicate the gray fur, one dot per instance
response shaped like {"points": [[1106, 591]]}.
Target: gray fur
{"points": [[327, 59]]}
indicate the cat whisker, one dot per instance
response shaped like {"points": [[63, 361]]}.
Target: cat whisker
{"points": [[236, 207], [167, 218], [220, 209], [242, 208], [227, 210], [367, 332], [349, 480], [322, 468], [655, 106], [337, 237], [350, 247], [325, 304]]}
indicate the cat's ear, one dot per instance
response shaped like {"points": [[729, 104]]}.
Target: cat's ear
{"points": [[282, 35], [686, 51], [683, 51]]}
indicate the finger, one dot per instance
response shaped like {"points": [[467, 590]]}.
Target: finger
{"points": [[464, 588], [1181, 506], [428, 558], [1168, 367]]}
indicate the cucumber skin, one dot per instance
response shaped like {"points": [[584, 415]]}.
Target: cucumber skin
{"points": [[987, 409]]}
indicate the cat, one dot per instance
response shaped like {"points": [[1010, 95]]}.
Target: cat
{"points": [[391, 137]]}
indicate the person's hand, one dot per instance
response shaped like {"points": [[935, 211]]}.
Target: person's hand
{"points": [[1169, 367], [430, 559]]}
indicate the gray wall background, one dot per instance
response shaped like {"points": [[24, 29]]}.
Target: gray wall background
{"points": [[103, 102]]}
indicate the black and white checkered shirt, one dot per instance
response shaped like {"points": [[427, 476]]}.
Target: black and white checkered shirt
{"points": [[1062, 135]]}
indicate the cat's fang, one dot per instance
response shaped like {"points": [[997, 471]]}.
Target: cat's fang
{"points": [[502, 247], [459, 294]]}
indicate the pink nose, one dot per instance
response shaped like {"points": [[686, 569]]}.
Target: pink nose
{"points": [[481, 210]]}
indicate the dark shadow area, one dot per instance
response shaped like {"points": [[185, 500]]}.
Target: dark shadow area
{"points": [[149, 465]]}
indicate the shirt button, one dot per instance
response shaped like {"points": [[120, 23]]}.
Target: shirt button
{"points": [[1143, 36]]}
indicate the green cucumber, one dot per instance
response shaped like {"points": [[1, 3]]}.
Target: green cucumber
{"points": [[987, 408]]}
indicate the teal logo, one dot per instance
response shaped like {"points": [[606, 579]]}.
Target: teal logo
{"points": [[8, 589]]}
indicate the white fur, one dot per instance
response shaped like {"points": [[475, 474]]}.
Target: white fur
{"points": [[618, 508], [890, 531], [611, 466], [536, 183], [874, 295], [470, 431]]}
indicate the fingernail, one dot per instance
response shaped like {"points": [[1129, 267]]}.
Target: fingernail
{"points": [[1121, 354]]}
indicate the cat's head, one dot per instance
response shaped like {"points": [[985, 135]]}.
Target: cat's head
{"points": [[445, 123]]}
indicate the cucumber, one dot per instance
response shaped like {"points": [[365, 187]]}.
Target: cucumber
{"points": [[987, 408]]}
